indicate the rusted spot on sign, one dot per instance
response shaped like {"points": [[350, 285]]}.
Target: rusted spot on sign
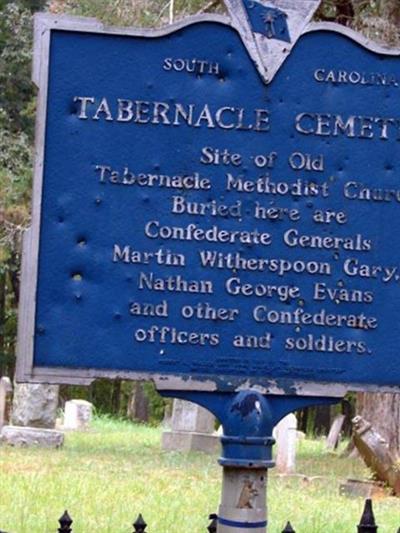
{"points": [[248, 494]]}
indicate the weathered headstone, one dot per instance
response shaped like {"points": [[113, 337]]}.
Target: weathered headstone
{"points": [[33, 417], [77, 414], [35, 405], [26, 436], [332, 440], [192, 429], [355, 488], [376, 454], [5, 392], [286, 437]]}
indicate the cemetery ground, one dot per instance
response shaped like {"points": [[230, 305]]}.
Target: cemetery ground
{"points": [[108, 474]]}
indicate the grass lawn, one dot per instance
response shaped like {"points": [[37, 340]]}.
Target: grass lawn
{"points": [[106, 476]]}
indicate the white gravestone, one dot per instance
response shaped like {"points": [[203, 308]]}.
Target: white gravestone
{"points": [[5, 391], [77, 414], [192, 429], [286, 437], [33, 417]]}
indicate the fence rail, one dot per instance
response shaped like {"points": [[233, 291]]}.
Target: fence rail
{"points": [[367, 523]]}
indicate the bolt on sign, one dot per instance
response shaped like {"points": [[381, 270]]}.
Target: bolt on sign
{"points": [[216, 205]]}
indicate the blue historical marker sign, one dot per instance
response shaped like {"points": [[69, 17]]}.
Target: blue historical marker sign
{"points": [[198, 222]]}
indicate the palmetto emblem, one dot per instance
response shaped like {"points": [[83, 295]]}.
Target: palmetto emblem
{"points": [[270, 28], [268, 21]]}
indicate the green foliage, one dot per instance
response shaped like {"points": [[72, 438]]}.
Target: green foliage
{"points": [[156, 403], [101, 393], [32, 5], [113, 397], [16, 113], [16, 94], [128, 12], [16, 132]]}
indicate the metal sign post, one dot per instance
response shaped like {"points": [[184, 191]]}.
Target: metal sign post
{"points": [[243, 503], [215, 209], [248, 418]]}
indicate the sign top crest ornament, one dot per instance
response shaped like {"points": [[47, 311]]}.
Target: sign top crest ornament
{"points": [[270, 29]]}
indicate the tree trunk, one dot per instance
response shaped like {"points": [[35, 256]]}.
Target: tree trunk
{"points": [[382, 410], [138, 404], [116, 397], [348, 410], [302, 419], [322, 421]]}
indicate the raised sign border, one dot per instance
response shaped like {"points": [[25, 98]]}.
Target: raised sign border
{"points": [[26, 372]]}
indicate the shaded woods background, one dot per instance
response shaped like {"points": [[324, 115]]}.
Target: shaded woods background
{"points": [[378, 20]]}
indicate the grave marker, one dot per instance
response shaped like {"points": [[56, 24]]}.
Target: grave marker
{"points": [[32, 437], [33, 417], [192, 429], [286, 438], [35, 405], [77, 414]]}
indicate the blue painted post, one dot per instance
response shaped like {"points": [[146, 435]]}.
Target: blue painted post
{"points": [[243, 502], [248, 418]]}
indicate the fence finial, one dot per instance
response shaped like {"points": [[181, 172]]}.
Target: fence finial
{"points": [[139, 525], [368, 524], [212, 528], [65, 523], [288, 528]]}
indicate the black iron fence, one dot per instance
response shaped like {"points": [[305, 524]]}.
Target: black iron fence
{"points": [[367, 523]]}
